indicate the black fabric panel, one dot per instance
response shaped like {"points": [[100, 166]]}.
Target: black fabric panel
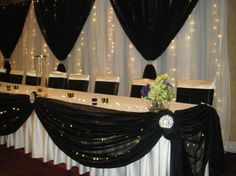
{"points": [[149, 72], [59, 83], [12, 18], [103, 87], [61, 22], [200, 136], [151, 25], [14, 111], [98, 137], [80, 85], [7, 66], [136, 91], [195, 96]]}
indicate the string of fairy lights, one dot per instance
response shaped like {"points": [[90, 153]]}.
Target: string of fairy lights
{"points": [[215, 49], [111, 42]]}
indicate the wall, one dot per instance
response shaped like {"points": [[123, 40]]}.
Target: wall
{"points": [[232, 64]]}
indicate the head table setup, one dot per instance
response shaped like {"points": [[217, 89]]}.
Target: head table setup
{"points": [[110, 135]]}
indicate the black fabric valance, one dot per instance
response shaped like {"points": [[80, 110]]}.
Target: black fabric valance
{"points": [[12, 19], [104, 138], [61, 22], [152, 24], [14, 111]]}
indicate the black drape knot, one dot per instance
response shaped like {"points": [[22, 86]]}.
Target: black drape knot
{"points": [[149, 72], [61, 67], [7, 65]]}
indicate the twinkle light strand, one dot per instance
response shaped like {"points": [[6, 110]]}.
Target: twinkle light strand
{"points": [[111, 42]]}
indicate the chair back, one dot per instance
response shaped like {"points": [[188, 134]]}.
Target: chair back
{"points": [[137, 85], [195, 91], [107, 85], [15, 76], [57, 80], [78, 82], [31, 78]]}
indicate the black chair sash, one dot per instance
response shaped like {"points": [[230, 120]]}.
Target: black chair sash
{"points": [[80, 85], [103, 87]]}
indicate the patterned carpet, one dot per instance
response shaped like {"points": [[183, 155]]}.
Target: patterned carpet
{"points": [[230, 164], [17, 163]]}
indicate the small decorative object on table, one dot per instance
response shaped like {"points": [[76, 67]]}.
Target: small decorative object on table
{"points": [[160, 93]]}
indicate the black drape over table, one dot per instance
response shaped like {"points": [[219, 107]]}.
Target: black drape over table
{"points": [[103, 138], [152, 24], [14, 111], [61, 22]]}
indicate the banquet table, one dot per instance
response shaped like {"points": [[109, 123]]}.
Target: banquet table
{"points": [[33, 137]]}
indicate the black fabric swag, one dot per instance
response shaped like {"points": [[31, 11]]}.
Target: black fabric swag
{"points": [[14, 111], [61, 22], [103, 138], [152, 24], [12, 19]]}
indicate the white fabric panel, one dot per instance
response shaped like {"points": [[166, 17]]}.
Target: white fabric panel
{"points": [[57, 74], [108, 78], [3, 70], [17, 72], [32, 73], [78, 76], [196, 84]]}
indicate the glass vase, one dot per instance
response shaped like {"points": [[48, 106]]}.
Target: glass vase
{"points": [[157, 106]]}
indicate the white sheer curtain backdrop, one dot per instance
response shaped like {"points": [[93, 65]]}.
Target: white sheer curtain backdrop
{"points": [[199, 51]]}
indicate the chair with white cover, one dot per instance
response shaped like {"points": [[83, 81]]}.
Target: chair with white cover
{"points": [[31, 78], [16, 76], [77, 81], [57, 79], [107, 85], [3, 72], [195, 91], [137, 85]]}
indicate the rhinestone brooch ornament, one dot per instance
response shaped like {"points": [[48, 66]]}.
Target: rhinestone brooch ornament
{"points": [[166, 121]]}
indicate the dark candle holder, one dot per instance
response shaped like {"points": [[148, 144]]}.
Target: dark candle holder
{"points": [[94, 101], [105, 100], [70, 95], [8, 87]]}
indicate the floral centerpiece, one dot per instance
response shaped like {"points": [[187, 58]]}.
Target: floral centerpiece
{"points": [[160, 92]]}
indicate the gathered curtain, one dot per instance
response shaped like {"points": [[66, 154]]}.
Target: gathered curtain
{"points": [[152, 25], [61, 23], [12, 19]]}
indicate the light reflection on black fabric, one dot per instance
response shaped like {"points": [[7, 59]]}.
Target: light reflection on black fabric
{"points": [[14, 111], [104, 138]]}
